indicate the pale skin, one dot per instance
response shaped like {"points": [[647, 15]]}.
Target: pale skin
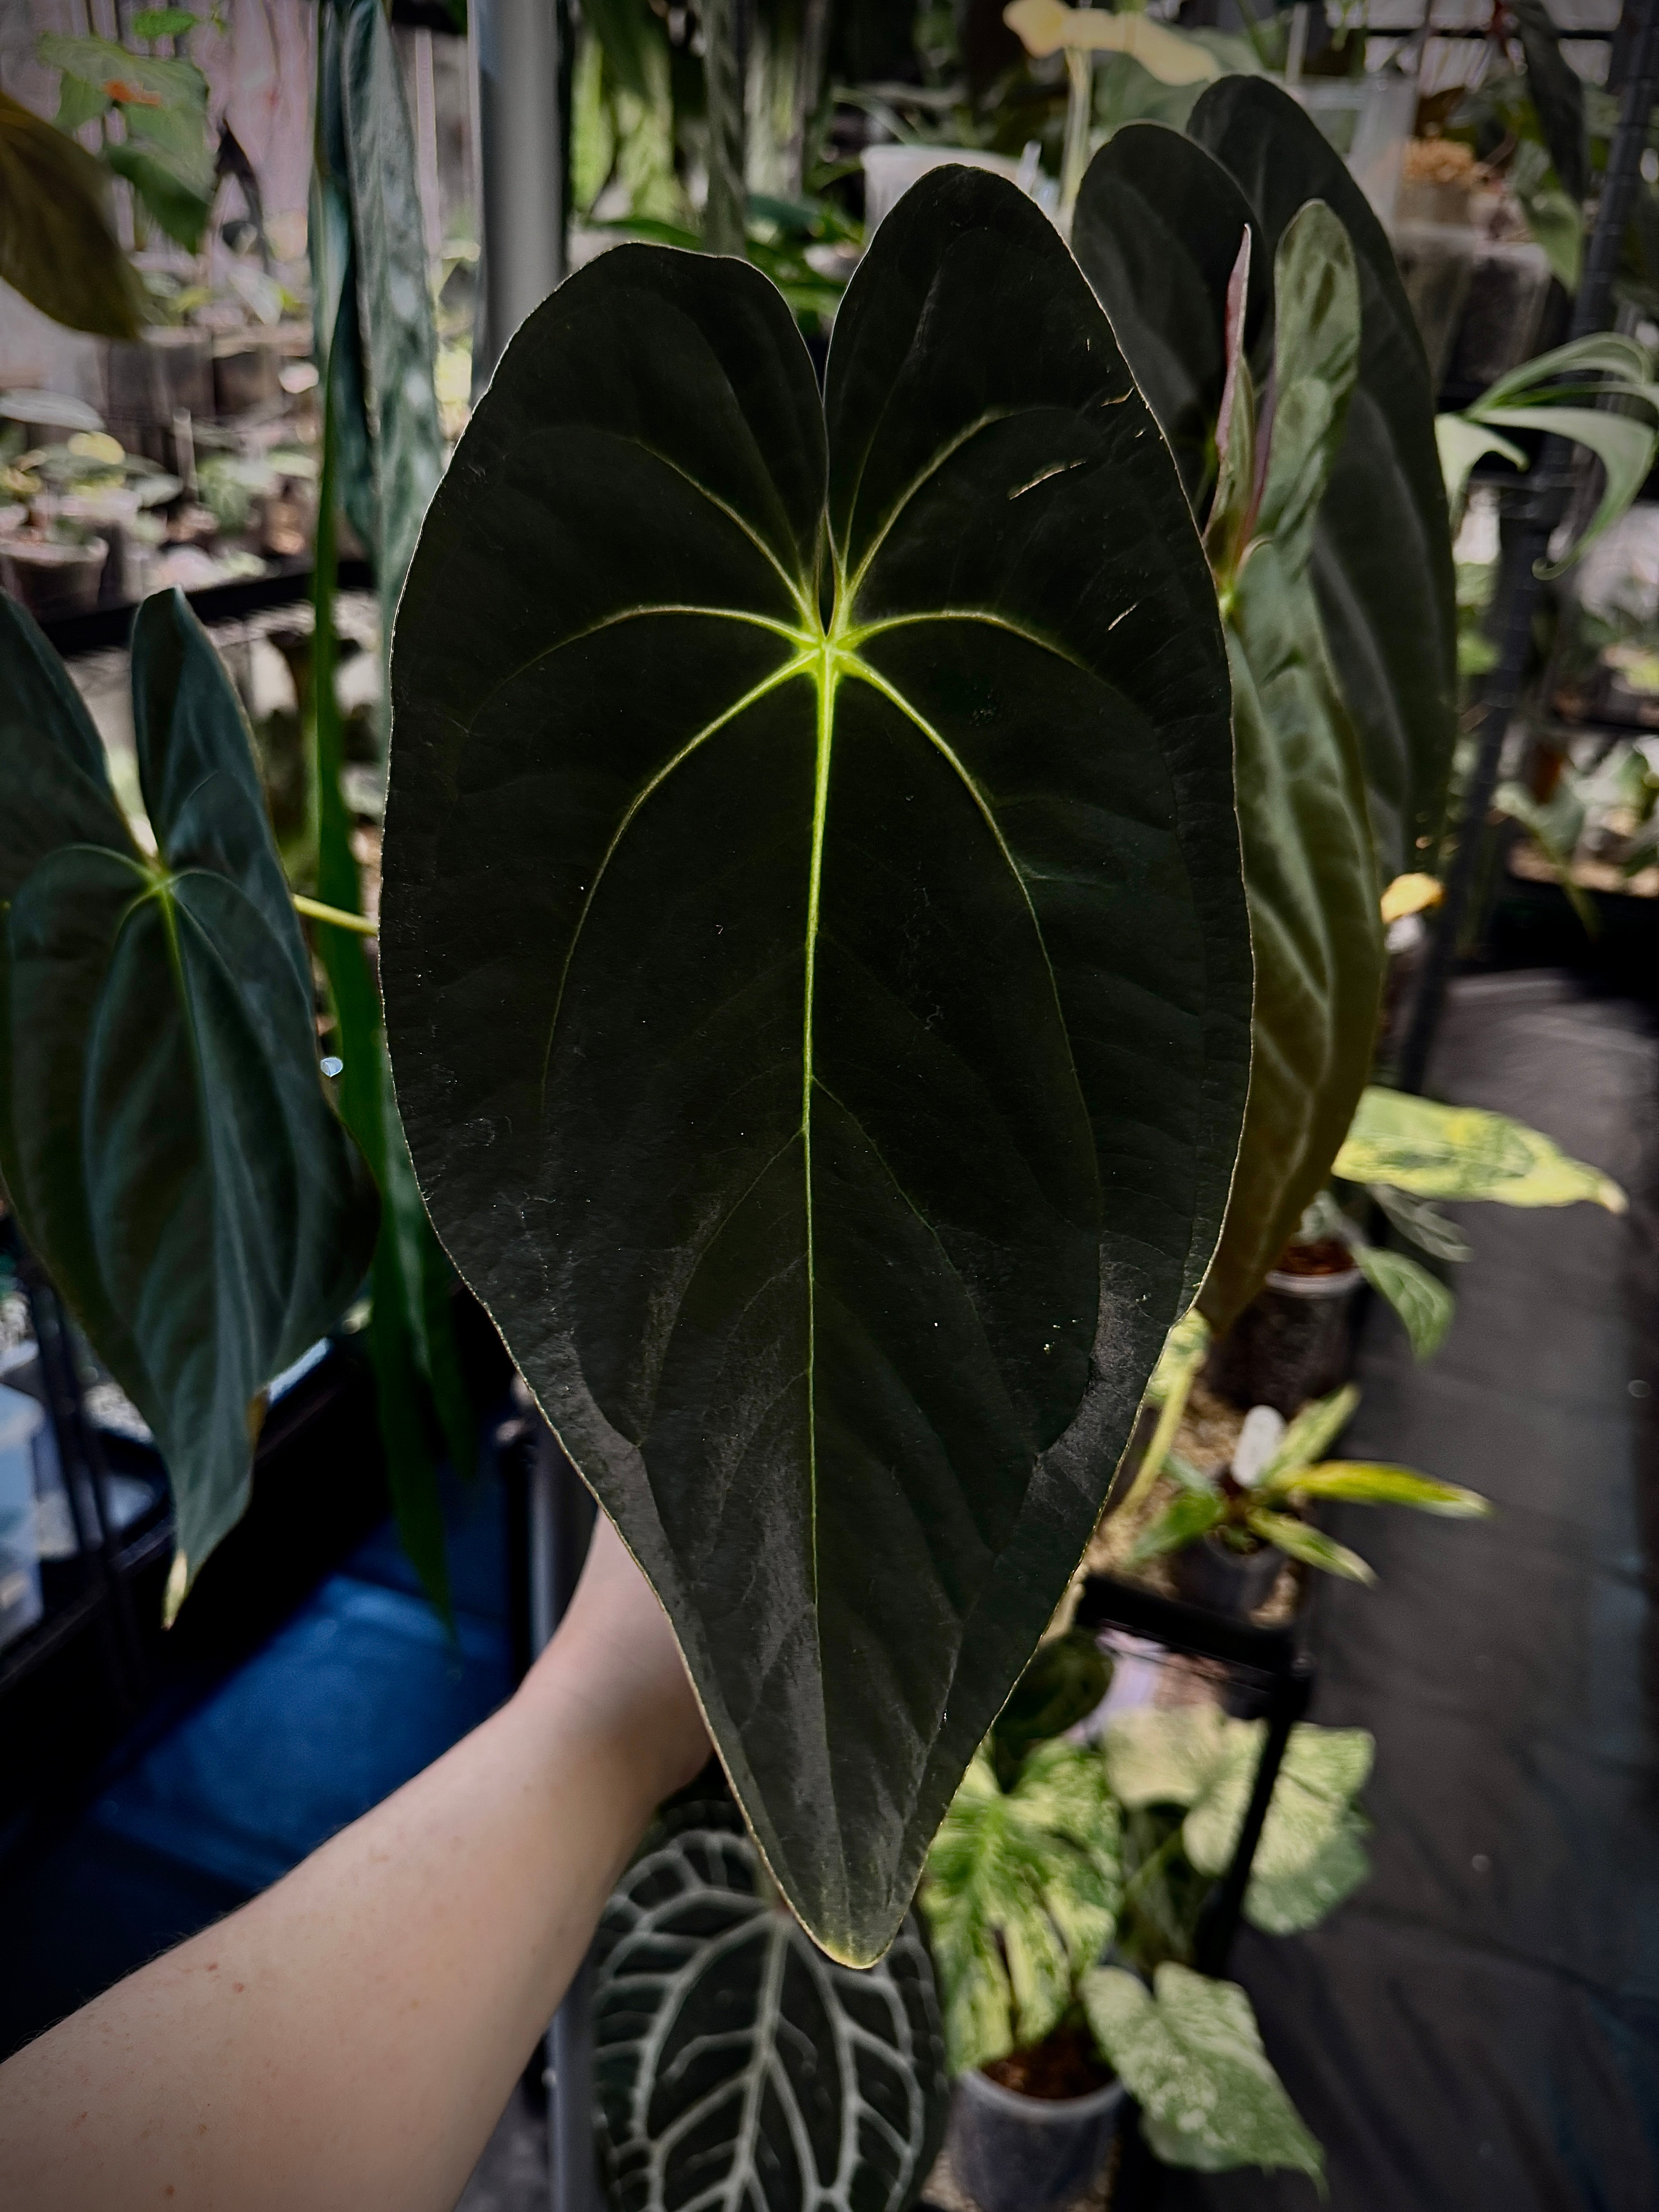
{"points": [[349, 2039]]}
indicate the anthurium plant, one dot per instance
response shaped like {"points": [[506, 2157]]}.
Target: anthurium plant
{"points": [[817, 968], [1257, 298], [1246, 1506], [165, 1137]]}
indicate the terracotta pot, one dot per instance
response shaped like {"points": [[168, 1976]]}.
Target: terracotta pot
{"points": [[1014, 2153]]}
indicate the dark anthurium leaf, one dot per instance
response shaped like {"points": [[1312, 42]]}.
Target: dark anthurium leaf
{"points": [[1309, 865], [57, 246], [1556, 91], [1157, 230], [164, 1135], [395, 315], [735, 2064], [816, 967], [1382, 564]]}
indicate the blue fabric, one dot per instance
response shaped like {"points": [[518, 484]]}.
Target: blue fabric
{"points": [[360, 1691]]}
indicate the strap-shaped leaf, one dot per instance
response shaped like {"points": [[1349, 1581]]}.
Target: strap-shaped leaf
{"points": [[816, 968], [736, 2065], [399, 336], [1382, 564], [164, 1133]]}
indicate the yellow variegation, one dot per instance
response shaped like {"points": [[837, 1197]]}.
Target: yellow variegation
{"points": [[1433, 1150]]}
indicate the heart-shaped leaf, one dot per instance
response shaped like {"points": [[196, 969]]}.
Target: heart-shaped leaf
{"points": [[1191, 2055], [164, 1134], [1382, 562], [815, 970], [736, 2065]]}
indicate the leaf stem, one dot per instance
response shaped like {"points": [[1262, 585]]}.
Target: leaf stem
{"points": [[316, 910]]}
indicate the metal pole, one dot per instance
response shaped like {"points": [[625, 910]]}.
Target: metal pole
{"points": [[1288, 1701], [561, 1523], [519, 156], [1545, 501]]}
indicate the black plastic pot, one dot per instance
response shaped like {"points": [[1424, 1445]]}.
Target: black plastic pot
{"points": [[1291, 1344], [1211, 1574], [1014, 2153]]}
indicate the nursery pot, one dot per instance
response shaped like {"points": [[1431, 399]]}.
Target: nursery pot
{"points": [[1291, 1344], [1018, 2154], [1211, 1574], [50, 578]]}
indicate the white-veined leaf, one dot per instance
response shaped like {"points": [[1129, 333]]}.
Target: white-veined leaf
{"points": [[737, 2065]]}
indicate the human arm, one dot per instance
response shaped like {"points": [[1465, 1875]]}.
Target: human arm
{"points": [[350, 2038]]}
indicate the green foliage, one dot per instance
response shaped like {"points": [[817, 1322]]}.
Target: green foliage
{"points": [[166, 155], [1382, 566], [373, 306], [56, 245], [1022, 1895], [164, 1133], [1190, 2054], [419, 1392], [1243, 1516], [1555, 392], [1431, 1151], [1308, 872], [1421, 1300], [1173, 238], [1557, 92], [712, 2004], [1198, 1760], [1062, 1685], [877, 984]]}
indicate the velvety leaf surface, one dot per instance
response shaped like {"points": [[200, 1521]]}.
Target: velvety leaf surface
{"points": [[1157, 231], [816, 968], [1313, 917], [736, 2065], [163, 1131], [1382, 562]]}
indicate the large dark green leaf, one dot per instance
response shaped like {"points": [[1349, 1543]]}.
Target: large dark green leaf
{"points": [[736, 2065], [1157, 230], [816, 968], [163, 1130], [1383, 564], [56, 246]]}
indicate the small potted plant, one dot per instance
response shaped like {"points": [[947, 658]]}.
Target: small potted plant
{"points": [[1228, 1533], [1055, 1856]]}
